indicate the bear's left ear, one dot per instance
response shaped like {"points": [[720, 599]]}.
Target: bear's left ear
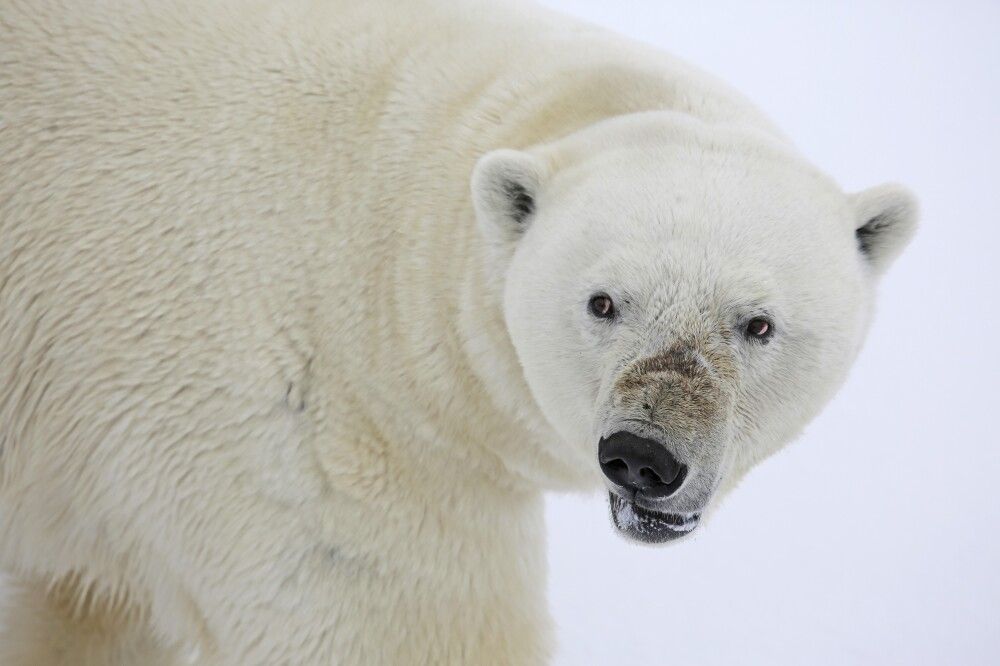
{"points": [[505, 185], [885, 219]]}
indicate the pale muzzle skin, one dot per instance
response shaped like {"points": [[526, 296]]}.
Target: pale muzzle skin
{"points": [[699, 291]]}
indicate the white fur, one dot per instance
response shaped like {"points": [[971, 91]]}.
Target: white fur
{"points": [[269, 395]]}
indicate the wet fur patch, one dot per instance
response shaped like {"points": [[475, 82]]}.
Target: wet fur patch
{"points": [[679, 390], [683, 361]]}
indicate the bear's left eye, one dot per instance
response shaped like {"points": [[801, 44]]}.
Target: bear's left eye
{"points": [[601, 306], [760, 329]]}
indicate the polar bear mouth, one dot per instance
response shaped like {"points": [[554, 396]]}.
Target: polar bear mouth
{"points": [[648, 525]]}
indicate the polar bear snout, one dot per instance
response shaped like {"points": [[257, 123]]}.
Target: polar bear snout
{"points": [[668, 415], [644, 474], [640, 465]]}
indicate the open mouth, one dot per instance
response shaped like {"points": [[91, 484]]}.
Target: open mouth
{"points": [[648, 525]]}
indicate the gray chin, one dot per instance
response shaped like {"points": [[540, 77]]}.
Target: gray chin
{"points": [[647, 525]]}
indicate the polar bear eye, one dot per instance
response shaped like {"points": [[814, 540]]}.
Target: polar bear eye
{"points": [[601, 306], [760, 328]]}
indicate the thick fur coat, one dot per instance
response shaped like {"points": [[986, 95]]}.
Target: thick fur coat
{"points": [[283, 377]]}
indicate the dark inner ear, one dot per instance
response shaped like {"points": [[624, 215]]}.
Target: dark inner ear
{"points": [[869, 231], [504, 187], [522, 204], [886, 217]]}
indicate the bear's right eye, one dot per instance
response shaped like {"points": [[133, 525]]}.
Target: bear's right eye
{"points": [[601, 306]]}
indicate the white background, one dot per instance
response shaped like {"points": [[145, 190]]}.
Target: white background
{"points": [[873, 538]]}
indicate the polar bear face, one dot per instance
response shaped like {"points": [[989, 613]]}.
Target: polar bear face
{"points": [[682, 298]]}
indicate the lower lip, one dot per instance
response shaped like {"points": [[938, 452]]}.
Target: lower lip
{"points": [[648, 525]]}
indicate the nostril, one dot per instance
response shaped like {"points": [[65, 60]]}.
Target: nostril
{"points": [[649, 476], [617, 465], [666, 485], [616, 470]]}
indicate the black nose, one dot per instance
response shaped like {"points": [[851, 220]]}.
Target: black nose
{"points": [[637, 463]]}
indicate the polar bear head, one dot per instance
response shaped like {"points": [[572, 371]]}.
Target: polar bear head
{"points": [[682, 298]]}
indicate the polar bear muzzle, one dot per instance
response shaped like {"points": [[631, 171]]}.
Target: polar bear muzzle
{"points": [[664, 432], [643, 471]]}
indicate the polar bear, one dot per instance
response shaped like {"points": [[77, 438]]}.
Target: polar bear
{"points": [[304, 304]]}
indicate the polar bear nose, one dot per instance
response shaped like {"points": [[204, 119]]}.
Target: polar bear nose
{"points": [[640, 464]]}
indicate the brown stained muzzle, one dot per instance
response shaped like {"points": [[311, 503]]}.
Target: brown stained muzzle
{"points": [[686, 390]]}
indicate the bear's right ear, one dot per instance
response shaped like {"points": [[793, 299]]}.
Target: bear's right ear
{"points": [[505, 185]]}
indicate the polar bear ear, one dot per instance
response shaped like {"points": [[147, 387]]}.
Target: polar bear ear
{"points": [[505, 185], [886, 217]]}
